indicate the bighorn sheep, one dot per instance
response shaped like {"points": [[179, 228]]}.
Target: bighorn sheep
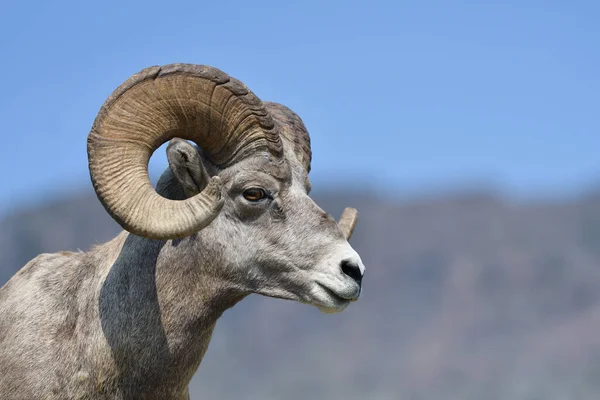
{"points": [[132, 318]]}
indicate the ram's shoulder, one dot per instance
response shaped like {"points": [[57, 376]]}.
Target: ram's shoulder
{"points": [[49, 263], [45, 271]]}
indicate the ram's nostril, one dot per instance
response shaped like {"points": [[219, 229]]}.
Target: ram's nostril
{"points": [[352, 269]]}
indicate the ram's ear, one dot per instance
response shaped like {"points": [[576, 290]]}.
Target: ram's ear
{"points": [[186, 166], [186, 175]]}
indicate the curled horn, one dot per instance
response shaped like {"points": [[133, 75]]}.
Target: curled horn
{"points": [[199, 103]]}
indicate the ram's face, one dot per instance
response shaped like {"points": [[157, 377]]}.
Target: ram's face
{"points": [[281, 244]]}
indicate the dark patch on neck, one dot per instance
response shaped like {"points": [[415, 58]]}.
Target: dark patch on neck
{"points": [[130, 317]]}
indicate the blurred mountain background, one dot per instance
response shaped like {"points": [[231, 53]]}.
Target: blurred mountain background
{"points": [[468, 295]]}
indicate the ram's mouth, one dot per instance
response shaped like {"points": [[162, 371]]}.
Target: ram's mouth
{"points": [[334, 295], [329, 301]]}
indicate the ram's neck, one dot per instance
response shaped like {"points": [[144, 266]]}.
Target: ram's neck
{"points": [[158, 307]]}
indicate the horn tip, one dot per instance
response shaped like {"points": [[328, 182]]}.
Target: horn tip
{"points": [[348, 221]]}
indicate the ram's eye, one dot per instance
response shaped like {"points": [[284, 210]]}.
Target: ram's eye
{"points": [[254, 194]]}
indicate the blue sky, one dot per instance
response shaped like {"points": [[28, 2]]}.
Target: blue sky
{"points": [[401, 95]]}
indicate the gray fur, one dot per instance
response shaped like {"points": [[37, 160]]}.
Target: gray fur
{"points": [[132, 318]]}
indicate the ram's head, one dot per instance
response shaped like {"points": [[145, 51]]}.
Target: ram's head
{"points": [[245, 186]]}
